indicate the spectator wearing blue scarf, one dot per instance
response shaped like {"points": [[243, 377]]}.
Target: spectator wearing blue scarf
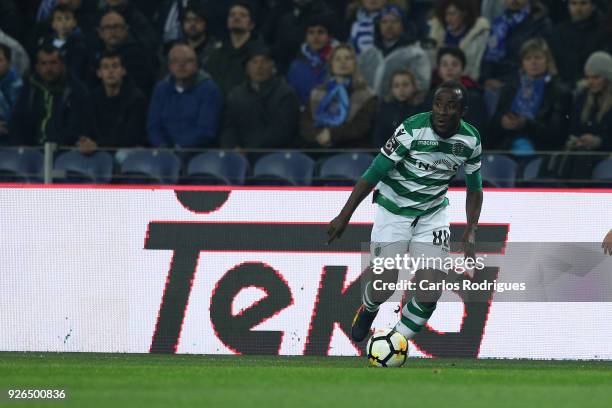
{"points": [[309, 69], [341, 111], [364, 25], [521, 20], [456, 23], [533, 108]]}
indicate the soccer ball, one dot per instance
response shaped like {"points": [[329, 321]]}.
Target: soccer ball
{"points": [[387, 348]]}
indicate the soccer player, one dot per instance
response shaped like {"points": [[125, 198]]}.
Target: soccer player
{"points": [[411, 176]]}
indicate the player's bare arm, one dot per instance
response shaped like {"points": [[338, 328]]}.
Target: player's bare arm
{"points": [[338, 224], [473, 205], [607, 243], [377, 170]]}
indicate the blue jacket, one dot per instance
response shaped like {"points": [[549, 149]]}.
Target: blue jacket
{"points": [[187, 119], [303, 78], [10, 85]]}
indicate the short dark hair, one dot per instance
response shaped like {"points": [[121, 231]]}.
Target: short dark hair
{"points": [[455, 86], [196, 9], [244, 4], [63, 8], [320, 20], [469, 7], [6, 50], [49, 48], [109, 55], [451, 50], [111, 11]]}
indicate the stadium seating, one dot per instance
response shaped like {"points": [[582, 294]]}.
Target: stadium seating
{"points": [[603, 170], [498, 171], [287, 168], [532, 169], [602, 173], [217, 168], [344, 169], [150, 167], [21, 165], [79, 168]]}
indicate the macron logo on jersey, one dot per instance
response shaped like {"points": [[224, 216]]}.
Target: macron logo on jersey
{"points": [[427, 143]]}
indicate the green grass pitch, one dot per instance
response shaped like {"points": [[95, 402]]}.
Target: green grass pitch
{"points": [[113, 380]]}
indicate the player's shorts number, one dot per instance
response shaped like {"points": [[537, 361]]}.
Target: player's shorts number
{"points": [[441, 237]]}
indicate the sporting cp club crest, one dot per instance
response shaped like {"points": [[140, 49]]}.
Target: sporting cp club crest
{"points": [[458, 149]]}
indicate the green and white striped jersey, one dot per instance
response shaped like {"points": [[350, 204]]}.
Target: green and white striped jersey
{"points": [[425, 163]]}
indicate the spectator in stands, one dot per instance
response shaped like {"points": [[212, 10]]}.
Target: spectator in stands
{"points": [[140, 27], [66, 36], [140, 64], [53, 105], [195, 25], [364, 23], [394, 48], [226, 64], [20, 59], [309, 69], [10, 86], [533, 108], [342, 111], [456, 23], [170, 19], [119, 109], [401, 102], [451, 63], [285, 30], [263, 111], [573, 41], [591, 118], [521, 20], [185, 106], [86, 13], [44, 9]]}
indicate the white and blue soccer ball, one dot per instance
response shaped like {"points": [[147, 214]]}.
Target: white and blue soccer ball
{"points": [[387, 348]]}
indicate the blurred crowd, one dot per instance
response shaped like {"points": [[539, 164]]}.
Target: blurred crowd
{"points": [[304, 73]]}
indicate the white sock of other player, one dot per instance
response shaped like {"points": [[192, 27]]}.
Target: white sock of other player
{"points": [[414, 317]]}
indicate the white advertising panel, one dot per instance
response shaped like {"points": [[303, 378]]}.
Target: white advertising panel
{"points": [[247, 271]]}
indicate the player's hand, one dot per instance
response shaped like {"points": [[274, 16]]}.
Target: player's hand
{"points": [[469, 243], [336, 227], [607, 243]]}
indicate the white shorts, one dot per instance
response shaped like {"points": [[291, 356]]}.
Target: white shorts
{"points": [[428, 235]]}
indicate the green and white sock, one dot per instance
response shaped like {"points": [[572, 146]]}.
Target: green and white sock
{"points": [[414, 317]]}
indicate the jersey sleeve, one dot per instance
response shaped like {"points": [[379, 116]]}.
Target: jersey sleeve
{"points": [[472, 164], [398, 146]]}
